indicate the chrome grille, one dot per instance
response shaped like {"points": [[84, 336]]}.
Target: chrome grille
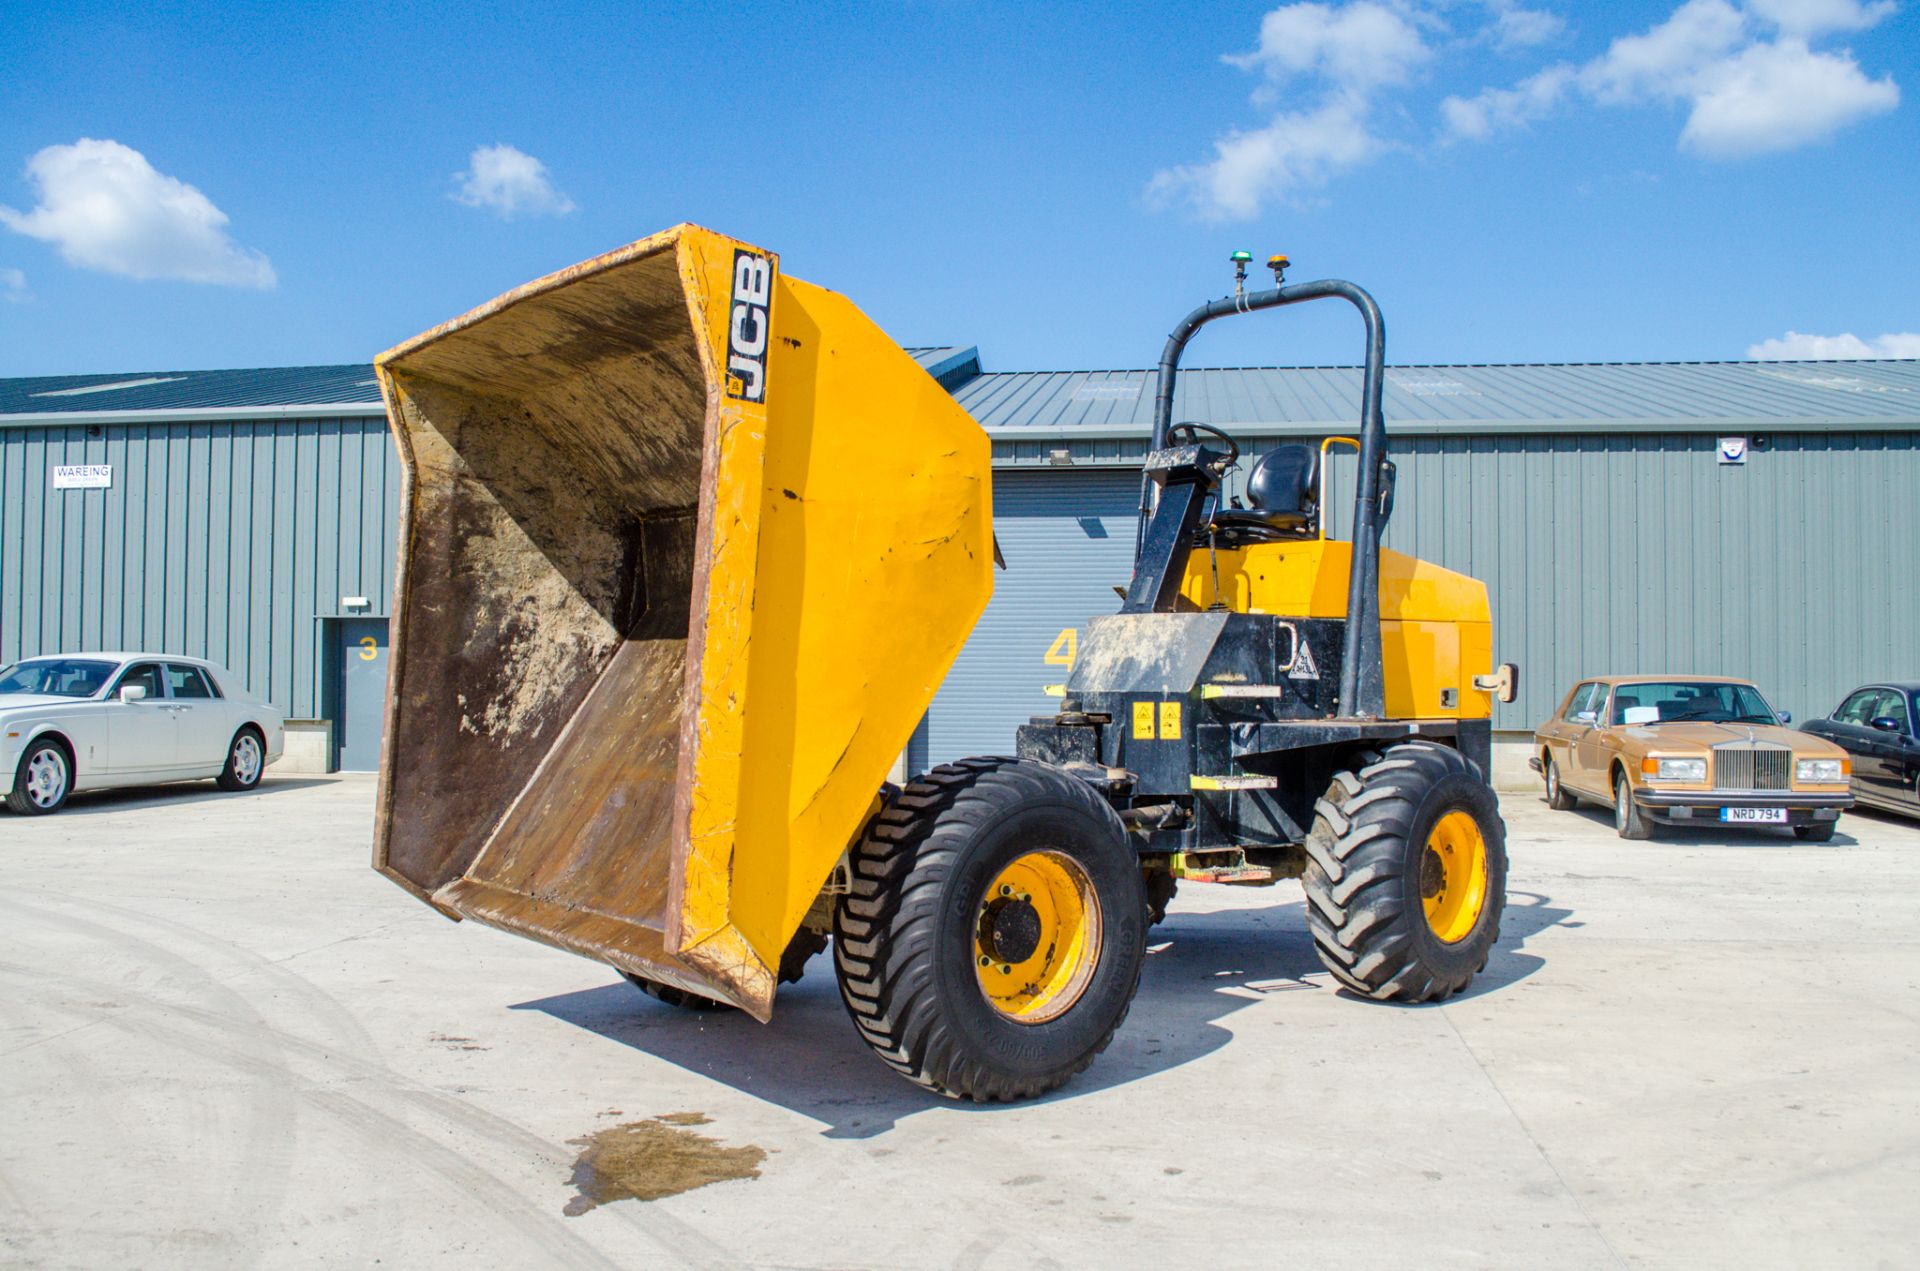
{"points": [[1752, 768]]}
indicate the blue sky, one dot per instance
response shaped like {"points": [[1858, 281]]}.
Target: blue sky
{"points": [[186, 186]]}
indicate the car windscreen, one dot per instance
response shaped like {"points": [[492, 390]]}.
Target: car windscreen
{"points": [[56, 677], [1683, 701]]}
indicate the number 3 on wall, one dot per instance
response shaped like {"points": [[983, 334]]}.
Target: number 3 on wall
{"points": [[369, 648], [1064, 646]]}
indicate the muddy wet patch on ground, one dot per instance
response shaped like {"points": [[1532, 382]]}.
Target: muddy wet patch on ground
{"points": [[646, 1160]]}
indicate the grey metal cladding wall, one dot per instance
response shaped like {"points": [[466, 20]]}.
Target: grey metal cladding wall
{"points": [[1638, 552], [222, 540], [1068, 541]]}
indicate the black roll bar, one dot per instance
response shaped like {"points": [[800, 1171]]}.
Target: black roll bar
{"points": [[1362, 683]]}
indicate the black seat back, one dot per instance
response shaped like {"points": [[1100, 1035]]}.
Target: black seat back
{"points": [[1285, 483]]}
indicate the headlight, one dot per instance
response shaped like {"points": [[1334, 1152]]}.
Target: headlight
{"points": [[1820, 772], [1676, 769]]}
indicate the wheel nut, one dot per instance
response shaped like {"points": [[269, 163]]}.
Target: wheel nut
{"points": [[1006, 889], [985, 960], [1005, 969]]}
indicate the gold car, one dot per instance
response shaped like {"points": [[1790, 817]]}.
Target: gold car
{"points": [[1685, 750]]}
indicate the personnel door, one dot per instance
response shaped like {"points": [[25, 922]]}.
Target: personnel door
{"points": [[362, 654]]}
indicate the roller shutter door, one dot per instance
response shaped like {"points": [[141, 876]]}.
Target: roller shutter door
{"points": [[1068, 540]]}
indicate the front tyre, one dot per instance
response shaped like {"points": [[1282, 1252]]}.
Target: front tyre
{"points": [[246, 761], [1406, 874], [1630, 821], [1557, 797], [994, 934], [42, 781]]}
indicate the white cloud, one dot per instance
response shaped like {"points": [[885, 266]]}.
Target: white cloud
{"points": [[1352, 51], [1660, 61], [1477, 118], [1780, 96], [106, 208], [1747, 93], [1358, 46], [1795, 346], [13, 287], [1292, 153], [1518, 28], [1812, 17], [510, 183]]}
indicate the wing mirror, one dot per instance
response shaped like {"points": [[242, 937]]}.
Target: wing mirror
{"points": [[1786, 717], [1887, 724], [1588, 718], [131, 693], [1504, 683]]}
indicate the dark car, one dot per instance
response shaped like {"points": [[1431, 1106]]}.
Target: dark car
{"points": [[1879, 724]]}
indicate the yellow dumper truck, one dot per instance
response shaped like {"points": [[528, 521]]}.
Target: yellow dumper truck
{"points": [[687, 547]]}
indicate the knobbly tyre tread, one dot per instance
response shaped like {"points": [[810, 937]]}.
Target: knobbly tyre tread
{"points": [[1358, 855], [886, 929]]}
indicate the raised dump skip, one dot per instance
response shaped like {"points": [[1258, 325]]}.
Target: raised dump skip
{"points": [[688, 549]]}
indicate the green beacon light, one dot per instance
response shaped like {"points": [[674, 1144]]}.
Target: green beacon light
{"points": [[1241, 258], [1240, 261]]}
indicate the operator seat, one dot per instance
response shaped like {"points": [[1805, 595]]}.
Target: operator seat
{"points": [[1283, 491]]}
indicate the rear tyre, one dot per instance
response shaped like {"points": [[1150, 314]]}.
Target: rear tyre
{"points": [[246, 761], [1629, 821], [1406, 874], [793, 964], [1557, 797], [42, 781], [994, 934], [673, 995], [1818, 832], [1161, 889]]}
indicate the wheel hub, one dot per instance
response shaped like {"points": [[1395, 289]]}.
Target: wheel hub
{"points": [[1453, 876], [1010, 929], [1037, 937]]}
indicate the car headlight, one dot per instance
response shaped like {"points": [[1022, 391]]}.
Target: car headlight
{"points": [[1817, 772], [1676, 769]]}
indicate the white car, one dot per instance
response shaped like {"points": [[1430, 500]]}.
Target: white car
{"points": [[86, 721]]}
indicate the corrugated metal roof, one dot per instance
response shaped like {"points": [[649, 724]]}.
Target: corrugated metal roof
{"points": [[190, 390], [351, 386], [1736, 396], [1775, 395]]}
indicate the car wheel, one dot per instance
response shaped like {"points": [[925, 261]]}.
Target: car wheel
{"points": [[246, 761], [43, 780], [1628, 819], [1557, 797]]}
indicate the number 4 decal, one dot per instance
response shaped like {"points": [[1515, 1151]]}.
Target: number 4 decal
{"points": [[1065, 645]]}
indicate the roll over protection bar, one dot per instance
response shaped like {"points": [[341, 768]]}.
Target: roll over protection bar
{"points": [[1362, 677]]}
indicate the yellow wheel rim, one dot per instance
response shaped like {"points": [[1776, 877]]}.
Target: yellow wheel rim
{"points": [[1036, 937], [1453, 876]]}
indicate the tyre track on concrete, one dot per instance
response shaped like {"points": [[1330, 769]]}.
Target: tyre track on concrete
{"points": [[674, 1236], [264, 1171]]}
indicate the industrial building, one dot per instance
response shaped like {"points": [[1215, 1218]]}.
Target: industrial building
{"points": [[1739, 518]]}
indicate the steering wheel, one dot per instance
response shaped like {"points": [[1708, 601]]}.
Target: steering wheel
{"points": [[1189, 434]]}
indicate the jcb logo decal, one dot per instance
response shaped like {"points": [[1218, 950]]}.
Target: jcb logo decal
{"points": [[747, 326]]}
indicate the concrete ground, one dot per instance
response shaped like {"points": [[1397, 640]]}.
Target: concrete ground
{"points": [[226, 1042]]}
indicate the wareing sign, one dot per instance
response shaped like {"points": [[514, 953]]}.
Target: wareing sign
{"points": [[83, 476]]}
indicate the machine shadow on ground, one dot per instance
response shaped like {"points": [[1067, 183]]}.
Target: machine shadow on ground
{"points": [[1201, 969], [126, 798]]}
